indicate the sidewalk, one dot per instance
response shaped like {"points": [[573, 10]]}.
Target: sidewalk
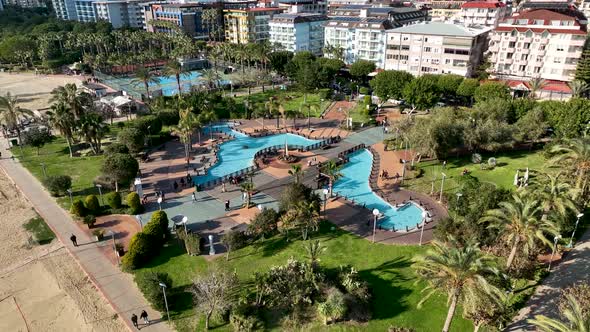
{"points": [[117, 287]]}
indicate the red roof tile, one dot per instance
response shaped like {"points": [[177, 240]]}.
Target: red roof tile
{"points": [[550, 85], [541, 30], [483, 4]]}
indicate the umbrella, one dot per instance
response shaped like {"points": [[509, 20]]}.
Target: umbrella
{"points": [[526, 175], [516, 178]]}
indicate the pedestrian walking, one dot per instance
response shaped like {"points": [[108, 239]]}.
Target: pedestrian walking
{"points": [[134, 321], [144, 316], [74, 241], [194, 198], [223, 187], [244, 196], [227, 205], [175, 185]]}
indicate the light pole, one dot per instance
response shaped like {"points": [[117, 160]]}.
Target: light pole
{"points": [[211, 247], [44, 170], [442, 185], [403, 171], [160, 203], [424, 215], [326, 191], [99, 186], [458, 197], [149, 135], [70, 193], [163, 285], [375, 215], [555, 239], [579, 216], [138, 218], [184, 221]]}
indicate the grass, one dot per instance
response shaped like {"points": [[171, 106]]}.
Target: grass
{"points": [[294, 103], [359, 113], [502, 175], [386, 268], [41, 232]]}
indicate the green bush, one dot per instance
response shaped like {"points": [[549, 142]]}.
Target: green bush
{"points": [[264, 223], [161, 219], [58, 184], [168, 117], [154, 231], [149, 284], [142, 123], [116, 147], [134, 204], [363, 90], [114, 199], [90, 220], [78, 209], [92, 205], [133, 139], [138, 253], [192, 243]]}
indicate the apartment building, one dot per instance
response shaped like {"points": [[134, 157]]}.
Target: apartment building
{"points": [[24, 3], [585, 8], [85, 10], [442, 10], [188, 17], [436, 48], [335, 3], [250, 25], [303, 6], [538, 43], [485, 13], [65, 9], [121, 13], [359, 38], [398, 16], [298, 32]]}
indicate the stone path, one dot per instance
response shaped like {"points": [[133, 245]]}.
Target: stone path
{"points": [[117, 287]]}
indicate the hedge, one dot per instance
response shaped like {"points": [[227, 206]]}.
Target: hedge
{"points": [[114, 199], [134, 203], [78, 209], [92, 205], [139, 252], [58, 184]]}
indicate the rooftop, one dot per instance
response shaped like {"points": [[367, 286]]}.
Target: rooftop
{"points": [[483, 4], [442, 29], [299, 17]]}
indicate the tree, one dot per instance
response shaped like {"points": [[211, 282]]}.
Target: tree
{"points": [[264, 223], [583, 68], [62, 118], [133, 139], [185, 128], [535, 85], [214, 292], [491, 90], [296, 172], [467, 88], [76, 99], [233, 240], [556, 195], [139, 251], [149, 282], [361, 68], [122, 168], [279, 60], [576, 322], [460, 271], [17, 48], [518, 224], [390, 84], [421, 92], [532, 126], [133, 202], [11, 114], [575, 155], [92, 128], [569, 119], [578, 87], [332, 171], [58, 184], [448, 84], [304, 216], [145, 76], [313, 251], [37, 138], [334, 308]]}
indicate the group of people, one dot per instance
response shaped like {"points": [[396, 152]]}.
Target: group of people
{"points": [[185, 181], [143, 315]]}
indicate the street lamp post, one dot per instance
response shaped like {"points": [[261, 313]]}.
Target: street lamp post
{"points": [[70, 193], [555, 239], [160, 203], [403, 171], [149, 135], [163, 285], [375, 215], [458, 197], [326, 191], [138, 218], [424, 215], [579, 216], [184, 221], [44, 170], [99, 186], [442, 185]]}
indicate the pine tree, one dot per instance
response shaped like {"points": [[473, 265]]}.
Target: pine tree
{"points": [[583, 69]]}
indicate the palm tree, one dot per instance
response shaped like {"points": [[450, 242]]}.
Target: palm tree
{"points": [[296, 172], [145, 76], [248, 188], [303, 216], [518, 224], [556, 195], [460, 271], [575, 153], [310, 107], [212, 78], [92, 128], [184, 130], [76, 99], [578, 88], [272, 107], [208, 116], [260, 111], [535, 85], [313, 250], [175, 68], [576, 321], [10, 114], [62, 118], [332, 171], [293, 114]]}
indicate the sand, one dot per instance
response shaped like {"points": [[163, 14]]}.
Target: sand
{"points": [[34, 90], [42, 288]]}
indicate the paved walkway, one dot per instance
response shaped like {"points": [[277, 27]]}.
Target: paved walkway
{"points": [[575, 268], [117, 287]]}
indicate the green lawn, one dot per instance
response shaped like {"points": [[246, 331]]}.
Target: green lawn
{"points": [[386, 268], [294, 103], [41, 232], [502, 175]]}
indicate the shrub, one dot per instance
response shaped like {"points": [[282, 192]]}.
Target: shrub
{"points": [[119, 167], [133, 139], [192, 243], [78, 209], [168, 117], [294, 193], [160, 218], [492, 162], [581, 292], [99, 233], [134, 204], [363, 90], [151, 121], [58, 184], [116, 147], [264, 223], [138, 253], [92, 205], [154, 231], [37, 138], [149, 284], [244, 319], [90, 220], [114, 199], [334, 308]]}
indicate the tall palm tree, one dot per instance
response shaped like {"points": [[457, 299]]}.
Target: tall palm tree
{"points": [[293, 114], [208, 116], [92, 128], [303, 216], [248, 187], [556, 195], [260, 111], [332, 171], [184, 130], [576, 321], [62, 119], [11, 114], [535, 85], [145, 76], [460, 271], [272, 106], [313, 250], [310, 107], [175, 68], [296, 172], [518, 224], [76, 99], [575, 154], [212, 78], [578, 88]]}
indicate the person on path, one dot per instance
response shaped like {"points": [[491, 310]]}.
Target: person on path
{"points": [[74, 241], [134, 321], [223, 187], [227, 205], [144, 316], [194, 198]]}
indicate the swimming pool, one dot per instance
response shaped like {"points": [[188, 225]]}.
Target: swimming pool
{"points": [[354, 184], [238, 153]]}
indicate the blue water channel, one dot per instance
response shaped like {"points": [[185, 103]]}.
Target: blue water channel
{"points": [[168, 84], [238, 153], [354, 184]]}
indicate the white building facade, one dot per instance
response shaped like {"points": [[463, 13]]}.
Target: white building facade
{"points": [[537, 44], [298, 32], [486, 13], [436, 48], [128, 13]]}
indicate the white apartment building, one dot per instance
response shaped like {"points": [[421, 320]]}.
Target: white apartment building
{"points": [[303, 6], [121, 13], [486, 13], [298, 32], [24, 3], [65, 9], [537, 43], [436, 48], [585, 8], [359, 37]]}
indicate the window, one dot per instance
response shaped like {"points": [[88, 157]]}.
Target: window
{"points": [[537, 70], [539, 58], [521, 68], [427, 49], [542, 48], [560, 48], [509, 55], [524, 57], [557, 60], [527, 46], [506, 66], [511, 44]]}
